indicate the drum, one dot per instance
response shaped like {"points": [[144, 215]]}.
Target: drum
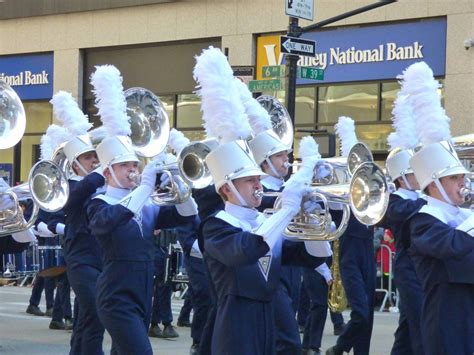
{"points": [[52, 261], [175, 271]]}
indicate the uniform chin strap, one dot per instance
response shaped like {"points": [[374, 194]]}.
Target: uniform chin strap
{"points": [[272, 168], [80, 166], [443, 193], [115, 178], [405, 180], [237, 193]]}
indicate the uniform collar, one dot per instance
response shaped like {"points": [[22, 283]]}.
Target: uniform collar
{"points": [[272, 182], [75, 177], [407, 194], [116, 193], [250, 215]]}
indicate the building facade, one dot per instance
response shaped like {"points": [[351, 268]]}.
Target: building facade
{"points": [[153, 44]]}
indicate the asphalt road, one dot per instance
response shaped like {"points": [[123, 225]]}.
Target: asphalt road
{"points": [[24, 334]]}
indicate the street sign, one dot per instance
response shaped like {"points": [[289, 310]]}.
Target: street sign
{"points": [[265, 85], [299, 8], [273, 71], [310, 73], [292, 45]]}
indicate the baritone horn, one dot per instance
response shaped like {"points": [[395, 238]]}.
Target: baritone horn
{"points": [[366, 196], [47, 186], [12, 117]]}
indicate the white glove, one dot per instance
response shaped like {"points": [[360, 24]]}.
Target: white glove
{"points": [[164, 181], [291, 197], [25, 236], [312, 206], [6, 202], [149, 174], [44, 231], [325, 272], [60, 227], [272, 229], [318, 248], [188, 208]]}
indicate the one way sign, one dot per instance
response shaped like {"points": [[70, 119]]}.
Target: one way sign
{"points": [[292, 45]]}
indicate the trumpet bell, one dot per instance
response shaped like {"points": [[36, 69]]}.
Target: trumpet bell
{"points": [[281, 120], [12, 117], [369, 193], [148, 121], [48, 186]]}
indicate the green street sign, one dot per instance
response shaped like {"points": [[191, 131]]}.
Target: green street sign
{"points": [[310, 73], [265, 85], [273, 71]]}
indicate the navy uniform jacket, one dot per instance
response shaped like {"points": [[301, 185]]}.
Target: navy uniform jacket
{"points": [[443, 258], [80, 245], [245, 279], [402, 205], [208, 201]]}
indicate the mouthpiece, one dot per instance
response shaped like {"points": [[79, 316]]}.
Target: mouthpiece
{"points": [[258, 194]]}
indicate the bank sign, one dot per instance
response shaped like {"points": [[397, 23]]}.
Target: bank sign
{"points": [[375, 52], [31, 76]]}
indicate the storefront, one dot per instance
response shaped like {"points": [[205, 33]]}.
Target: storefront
{"points": [[360, 64], [31, 76]]}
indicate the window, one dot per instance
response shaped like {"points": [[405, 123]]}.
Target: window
{"points": [[188, 111], [356, 101]]}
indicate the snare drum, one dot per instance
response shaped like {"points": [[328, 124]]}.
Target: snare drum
{"points": [[52, 261]]}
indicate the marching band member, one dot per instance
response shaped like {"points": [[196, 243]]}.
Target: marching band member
{"points": [[198, 279], [272, 157], [81, 250], [442, 243], [403, 203], [243, 252], [123, 223], [357, 265]]}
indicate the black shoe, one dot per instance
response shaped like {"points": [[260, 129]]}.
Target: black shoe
{"points": [[49, 312], [56, 324], [155, 332], [169, 332], [194, 349], [32, 309], [68, 324], [334, 350], [314, 352], [339, 329], [183, 323]]}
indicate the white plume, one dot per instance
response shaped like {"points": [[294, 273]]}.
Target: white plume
{"points": [[258, 117], [110, 100], [309, 147], [223, 113], [177, 141], [55, 135], [432, 123], [404, 136], [345, 129], [67, 111]]}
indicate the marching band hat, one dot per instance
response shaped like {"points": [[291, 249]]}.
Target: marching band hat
{"points": [[435, 161], [230, 161], [266, 144], [116, 149], [78, 146], [398, 163]]}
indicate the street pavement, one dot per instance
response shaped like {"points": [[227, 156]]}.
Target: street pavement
{"points": [[25, 334]]}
